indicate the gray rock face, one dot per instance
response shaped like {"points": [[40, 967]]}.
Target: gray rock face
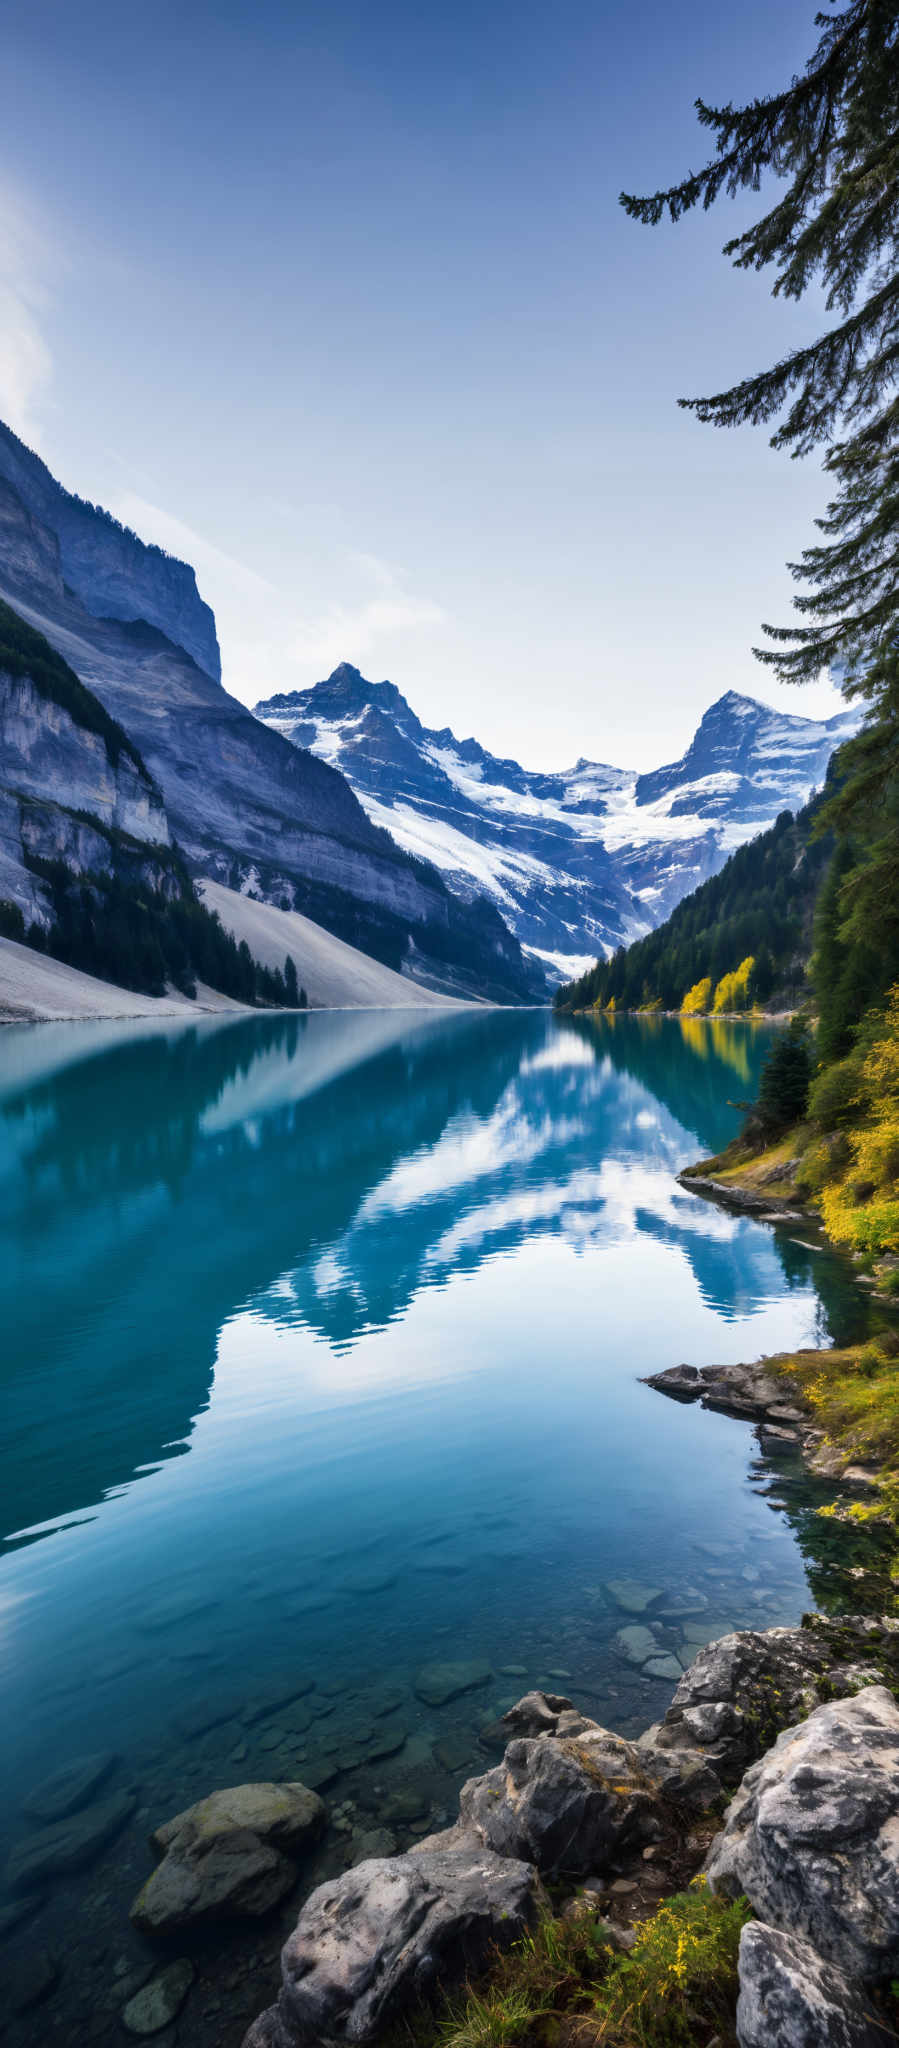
{"points": [[743, 1688], [791, 1998], [248, 809], [68, 1844], [383, 1935], [812, 1837], [116, 575], [569, 1803], [230, 1856]]}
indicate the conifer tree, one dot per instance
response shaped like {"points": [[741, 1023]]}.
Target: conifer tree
{"points": [[833, 135]]}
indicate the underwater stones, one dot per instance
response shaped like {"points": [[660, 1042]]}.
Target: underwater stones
{"points": [[790, 1994], [68, 1844], [228, 1856], [636, 1644], [384, 1935], [631, 1596], [282, 1695], [406, 1804], [371, 1842], [443, 1680], [812, 1837], [573, 1803], [453, 1752], [31, 1980], [386, 1740], [69, 1788], [387, 1701], [664, 1666], [160, 2001]]}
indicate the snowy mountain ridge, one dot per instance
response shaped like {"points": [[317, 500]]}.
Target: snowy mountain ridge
{"points": [[579, 860]]}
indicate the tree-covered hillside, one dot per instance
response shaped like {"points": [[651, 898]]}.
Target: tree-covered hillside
{"points": [[760, 906]]}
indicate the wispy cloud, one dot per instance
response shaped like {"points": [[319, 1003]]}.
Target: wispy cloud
{"points": [[277, 639], [25, 362]]}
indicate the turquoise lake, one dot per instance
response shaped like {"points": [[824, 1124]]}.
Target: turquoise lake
{"points": [[321, 1351]]}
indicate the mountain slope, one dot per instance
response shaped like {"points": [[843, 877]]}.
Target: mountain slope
{"points": [[579, 862], [761, 903], [247, 808]]}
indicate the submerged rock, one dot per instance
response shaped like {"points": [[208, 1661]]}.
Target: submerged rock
{"points": [[69, 1788], [633, 1597], [789, 1994], [438, 1682], [812, 1837], [68, 1844], [225, 1857], [160, 2001], [374, 1941]]}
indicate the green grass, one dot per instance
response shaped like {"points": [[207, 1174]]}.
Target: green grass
{"points": [[566, 1986]]}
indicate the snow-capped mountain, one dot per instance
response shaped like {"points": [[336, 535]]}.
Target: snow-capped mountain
{"points": [[578, 861]]}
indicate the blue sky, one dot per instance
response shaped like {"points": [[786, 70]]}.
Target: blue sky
{"points": [[338, 301]]}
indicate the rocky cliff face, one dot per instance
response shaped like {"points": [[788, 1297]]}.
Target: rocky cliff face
{"points": [[115, 575], [248, 808], [577, 862], [59, 781]]}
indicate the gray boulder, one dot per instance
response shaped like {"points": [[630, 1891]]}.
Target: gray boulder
{"points": [[544, 1713], [231, 1855], [564, 1803], [812, 1837], [743, 1688], [382, 1936], [791, 1998]]}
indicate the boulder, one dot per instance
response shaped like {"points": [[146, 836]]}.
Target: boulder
{"points": [[68, 1844], [812, 1837], [438, 1682], [69, 1788], [543, 1713], [381, 1937], [789, 1994], [743, 1688], [563, 1802], [231, 1855]]}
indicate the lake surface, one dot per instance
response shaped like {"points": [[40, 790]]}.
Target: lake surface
{"points": [[321, 1356]]}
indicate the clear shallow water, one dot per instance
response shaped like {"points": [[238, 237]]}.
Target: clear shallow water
{"points": [[321, 1352]]}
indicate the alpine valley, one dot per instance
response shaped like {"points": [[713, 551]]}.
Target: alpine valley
{"points": [[578, 862]]}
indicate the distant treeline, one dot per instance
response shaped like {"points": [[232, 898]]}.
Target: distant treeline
{"points": [[149, 932], [759, 908]]}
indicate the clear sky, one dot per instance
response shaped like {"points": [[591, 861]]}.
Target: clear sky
{"points": [[337, 301]]}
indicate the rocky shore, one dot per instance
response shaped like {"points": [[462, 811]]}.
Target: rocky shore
{"points": [[797, 1728]]}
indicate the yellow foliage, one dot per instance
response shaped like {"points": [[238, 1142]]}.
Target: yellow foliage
{"points": [[732, 992], [697, 998], [860, 1201]]}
